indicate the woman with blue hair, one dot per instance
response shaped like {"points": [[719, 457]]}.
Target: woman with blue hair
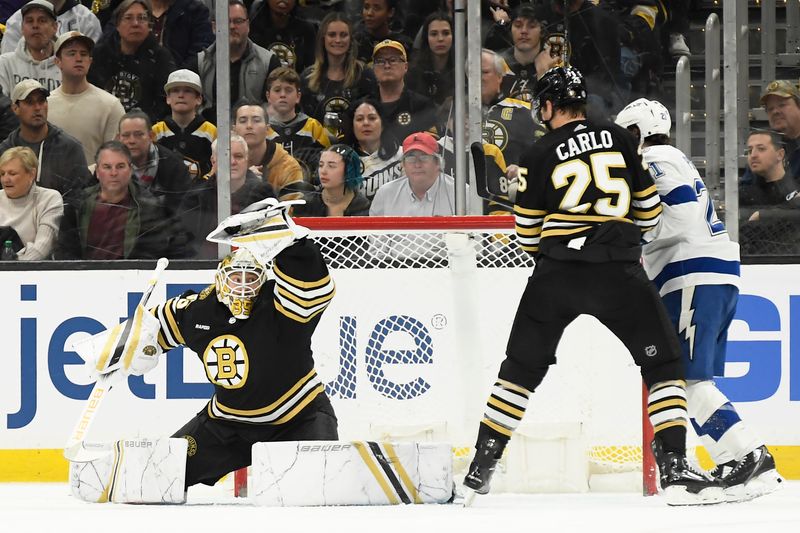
{"points": [[340, 177]]}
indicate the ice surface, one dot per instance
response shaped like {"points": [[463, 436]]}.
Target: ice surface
{"points": [[39, 508]]}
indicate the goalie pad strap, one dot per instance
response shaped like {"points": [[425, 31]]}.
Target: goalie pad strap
{"points": [[139, 470], [350, 473]]}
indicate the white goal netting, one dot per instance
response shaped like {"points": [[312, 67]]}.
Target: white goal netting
{"points": [[413, 340]]}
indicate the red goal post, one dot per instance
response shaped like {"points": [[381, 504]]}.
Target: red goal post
{"points": [[458, 243]]}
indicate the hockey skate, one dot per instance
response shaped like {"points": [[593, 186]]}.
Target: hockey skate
{"points": [[681, 484], [481, 469], [753, 476]]}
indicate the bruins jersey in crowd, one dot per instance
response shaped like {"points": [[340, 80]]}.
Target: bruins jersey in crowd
{"points": [[192, 142], [585, 195], [262, 368], [304, 138], [508, 125]]}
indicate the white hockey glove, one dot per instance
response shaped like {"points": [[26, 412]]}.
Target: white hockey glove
{"points": [[128, 348], [264, 228]]}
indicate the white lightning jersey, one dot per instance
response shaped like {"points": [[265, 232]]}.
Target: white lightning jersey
{"points": [[690, 246]]}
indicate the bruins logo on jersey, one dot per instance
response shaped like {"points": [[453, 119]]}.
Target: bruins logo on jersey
{"points": [[404, 118], [285, 54], [226, 362], [495, 133]]}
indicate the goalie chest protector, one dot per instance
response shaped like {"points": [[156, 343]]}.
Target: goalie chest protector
{"points": [[262, 367]]}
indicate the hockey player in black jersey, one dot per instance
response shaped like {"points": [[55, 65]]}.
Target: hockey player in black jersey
{"points": [[253, 336], [584, 203]]}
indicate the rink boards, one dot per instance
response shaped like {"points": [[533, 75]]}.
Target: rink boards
{"points": [[399, 350]]}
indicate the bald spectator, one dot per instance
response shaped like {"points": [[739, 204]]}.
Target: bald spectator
{"points": [[62, 165], [33, 56], [83, 110], [250, 64], [71, 15]]}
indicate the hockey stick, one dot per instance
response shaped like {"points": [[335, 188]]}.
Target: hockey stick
{"points": [[481, 183], [76, 449]]}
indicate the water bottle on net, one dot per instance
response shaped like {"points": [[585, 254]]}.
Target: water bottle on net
{"points": [[8, 253]]}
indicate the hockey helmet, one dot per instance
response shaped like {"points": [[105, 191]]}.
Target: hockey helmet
{"points": [[561, 85], [650, 116], [238, 281]]}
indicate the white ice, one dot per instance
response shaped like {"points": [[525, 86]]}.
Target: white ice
{"points": [[40, 508]]}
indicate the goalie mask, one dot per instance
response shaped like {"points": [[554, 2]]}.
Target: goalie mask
{"points": [[650, 116], [238, 281]]}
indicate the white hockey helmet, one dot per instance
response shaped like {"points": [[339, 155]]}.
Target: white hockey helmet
{"points": [[650, 116], [238, 281]]}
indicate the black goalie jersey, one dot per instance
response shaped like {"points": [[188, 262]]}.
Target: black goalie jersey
{"points": [[262, 368], [587, 196]]}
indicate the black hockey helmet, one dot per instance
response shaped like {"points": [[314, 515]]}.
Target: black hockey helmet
{"points": [[561, 85]]}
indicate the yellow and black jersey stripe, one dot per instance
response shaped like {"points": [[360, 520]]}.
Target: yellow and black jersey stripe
{"points": [[301, 300], [646, 208], [169, 335], [280, 411], [528, 226]]}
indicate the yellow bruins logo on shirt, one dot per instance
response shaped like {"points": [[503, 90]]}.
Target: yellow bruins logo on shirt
{"points": [[404, 118], [226, 362]]}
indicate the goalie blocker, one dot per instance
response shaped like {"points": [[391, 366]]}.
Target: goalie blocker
{"points": [[350, 473]]}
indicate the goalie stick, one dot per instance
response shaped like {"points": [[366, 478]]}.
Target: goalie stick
{"points": [[76, 449], [481, 183]]}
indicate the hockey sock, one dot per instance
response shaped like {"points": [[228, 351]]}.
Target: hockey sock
{"points": [[666, 407], [504, 410], [717, 423]]}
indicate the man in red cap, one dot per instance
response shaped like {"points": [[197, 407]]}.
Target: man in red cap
{"points": [[423, 190]]}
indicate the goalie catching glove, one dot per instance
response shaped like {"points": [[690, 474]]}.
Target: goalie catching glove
{"points": [[263, 228], [128, 348]]}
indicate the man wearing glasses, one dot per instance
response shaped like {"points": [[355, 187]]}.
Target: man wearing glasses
{"points": [[250, 64], [423, 190], [406, 112]]}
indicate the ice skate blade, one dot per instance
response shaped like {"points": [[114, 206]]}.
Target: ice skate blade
{"points": [[763, 484], [468, 496], [677, 495]]}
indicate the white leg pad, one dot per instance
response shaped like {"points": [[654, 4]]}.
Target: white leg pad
{"points": [[300, 473], [703, 398], [139, 470]]}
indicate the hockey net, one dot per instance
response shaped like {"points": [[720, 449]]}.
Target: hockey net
{"points": [[437, 297]]}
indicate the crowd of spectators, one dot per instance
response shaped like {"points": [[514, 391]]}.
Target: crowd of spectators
{"points": [[347, 104]]}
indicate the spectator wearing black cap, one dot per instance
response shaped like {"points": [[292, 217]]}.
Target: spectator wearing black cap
{"points": [[33, 56], [62, 165], [85, 111], [71, 15]]}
